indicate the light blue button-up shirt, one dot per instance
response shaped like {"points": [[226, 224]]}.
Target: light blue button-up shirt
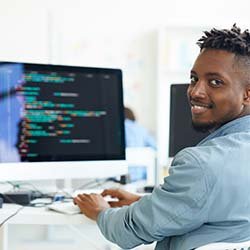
{"points": [[205, 198]]}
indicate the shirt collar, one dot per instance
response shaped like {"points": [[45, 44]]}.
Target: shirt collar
{"points": [[237, 125]]}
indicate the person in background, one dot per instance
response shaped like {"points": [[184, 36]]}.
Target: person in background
{"points": [[206, 197], [135, 134]]}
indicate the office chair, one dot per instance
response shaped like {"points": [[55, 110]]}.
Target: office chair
{"points": [[226, 246]]}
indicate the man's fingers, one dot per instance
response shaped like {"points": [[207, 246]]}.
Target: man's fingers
{"points": [[84, 197], [81, 202], [115, 204], [106, 192], [80, 199], [115, 193]]}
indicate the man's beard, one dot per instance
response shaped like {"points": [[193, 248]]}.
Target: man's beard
{"points": [[204, 127]]}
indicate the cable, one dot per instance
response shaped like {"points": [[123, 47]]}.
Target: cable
{"points": [[17, 211], [97, 183], [93, 183], [12, 215], [15, 186], [85, 185], [100, 184]]}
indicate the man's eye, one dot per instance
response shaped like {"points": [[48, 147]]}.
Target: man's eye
{"points": [[215, 82], [193, 79]]}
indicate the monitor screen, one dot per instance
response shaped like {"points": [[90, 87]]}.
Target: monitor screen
{"points": [[181, 134], [51, 113]]}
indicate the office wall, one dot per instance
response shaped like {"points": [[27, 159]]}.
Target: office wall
{"points": [[176, 54], [85, 33], [24, 34], [135, 35], [76, 43]]}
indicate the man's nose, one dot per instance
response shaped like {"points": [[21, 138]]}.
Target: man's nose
{"points": [[198, 90]]}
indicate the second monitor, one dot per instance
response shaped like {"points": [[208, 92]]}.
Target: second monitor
{"points": [[181, 134]]}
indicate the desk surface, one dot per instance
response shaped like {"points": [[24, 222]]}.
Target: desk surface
{"points": [[35, 215]]}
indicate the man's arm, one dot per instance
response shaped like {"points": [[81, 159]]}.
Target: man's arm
{"points": [[177, 207]]}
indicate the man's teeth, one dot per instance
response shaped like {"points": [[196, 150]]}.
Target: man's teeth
{"points": [[199, 107]]}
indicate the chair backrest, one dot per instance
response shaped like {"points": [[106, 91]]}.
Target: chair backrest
{"points": [[226, 246]]}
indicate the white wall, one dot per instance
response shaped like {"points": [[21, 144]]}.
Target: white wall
{"points": [[23, 34], [115, 33]]}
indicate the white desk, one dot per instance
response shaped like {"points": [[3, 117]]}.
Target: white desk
{"points": [[41, 216], [86, 237]]}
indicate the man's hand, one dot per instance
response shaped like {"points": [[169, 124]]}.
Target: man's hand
{"points": [[91, 204], [124, 197]]}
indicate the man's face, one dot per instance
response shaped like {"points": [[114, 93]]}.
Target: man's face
{"points": [[216, 90]]}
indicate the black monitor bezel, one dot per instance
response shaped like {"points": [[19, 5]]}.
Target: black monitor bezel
{"points": [[82, 69]]}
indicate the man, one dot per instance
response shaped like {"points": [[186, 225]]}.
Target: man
{"points": [[206, 197]]}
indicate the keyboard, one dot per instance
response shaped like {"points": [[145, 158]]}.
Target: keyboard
{"points": [[64, 207], [70, 207]]}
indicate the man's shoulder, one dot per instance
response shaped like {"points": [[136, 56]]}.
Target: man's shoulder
{"points": [[202, 155], [216, 153], [194, 153]]}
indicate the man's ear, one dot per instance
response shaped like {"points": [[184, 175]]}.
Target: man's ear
{"points": [[246, 100]]}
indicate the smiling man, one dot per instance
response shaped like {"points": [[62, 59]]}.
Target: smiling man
{"points": [[205, 198], [220, 78]]}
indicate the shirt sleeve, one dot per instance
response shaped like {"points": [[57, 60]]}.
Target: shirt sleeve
{"points": [[175, 208]]}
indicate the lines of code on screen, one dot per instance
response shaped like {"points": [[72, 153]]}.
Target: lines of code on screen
{"points": [[61, 114]]}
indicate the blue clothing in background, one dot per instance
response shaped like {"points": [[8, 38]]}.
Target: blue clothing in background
{"points": [[204, 199], [137, 136]]}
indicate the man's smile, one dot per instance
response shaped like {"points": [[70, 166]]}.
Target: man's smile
{"points": [[199, 108]]}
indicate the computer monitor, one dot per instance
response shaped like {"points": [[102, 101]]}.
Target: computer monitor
{"points": [[60, 122], [181, 134]]}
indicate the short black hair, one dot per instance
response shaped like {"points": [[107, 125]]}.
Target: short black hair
{"points": [[232, 40]]}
